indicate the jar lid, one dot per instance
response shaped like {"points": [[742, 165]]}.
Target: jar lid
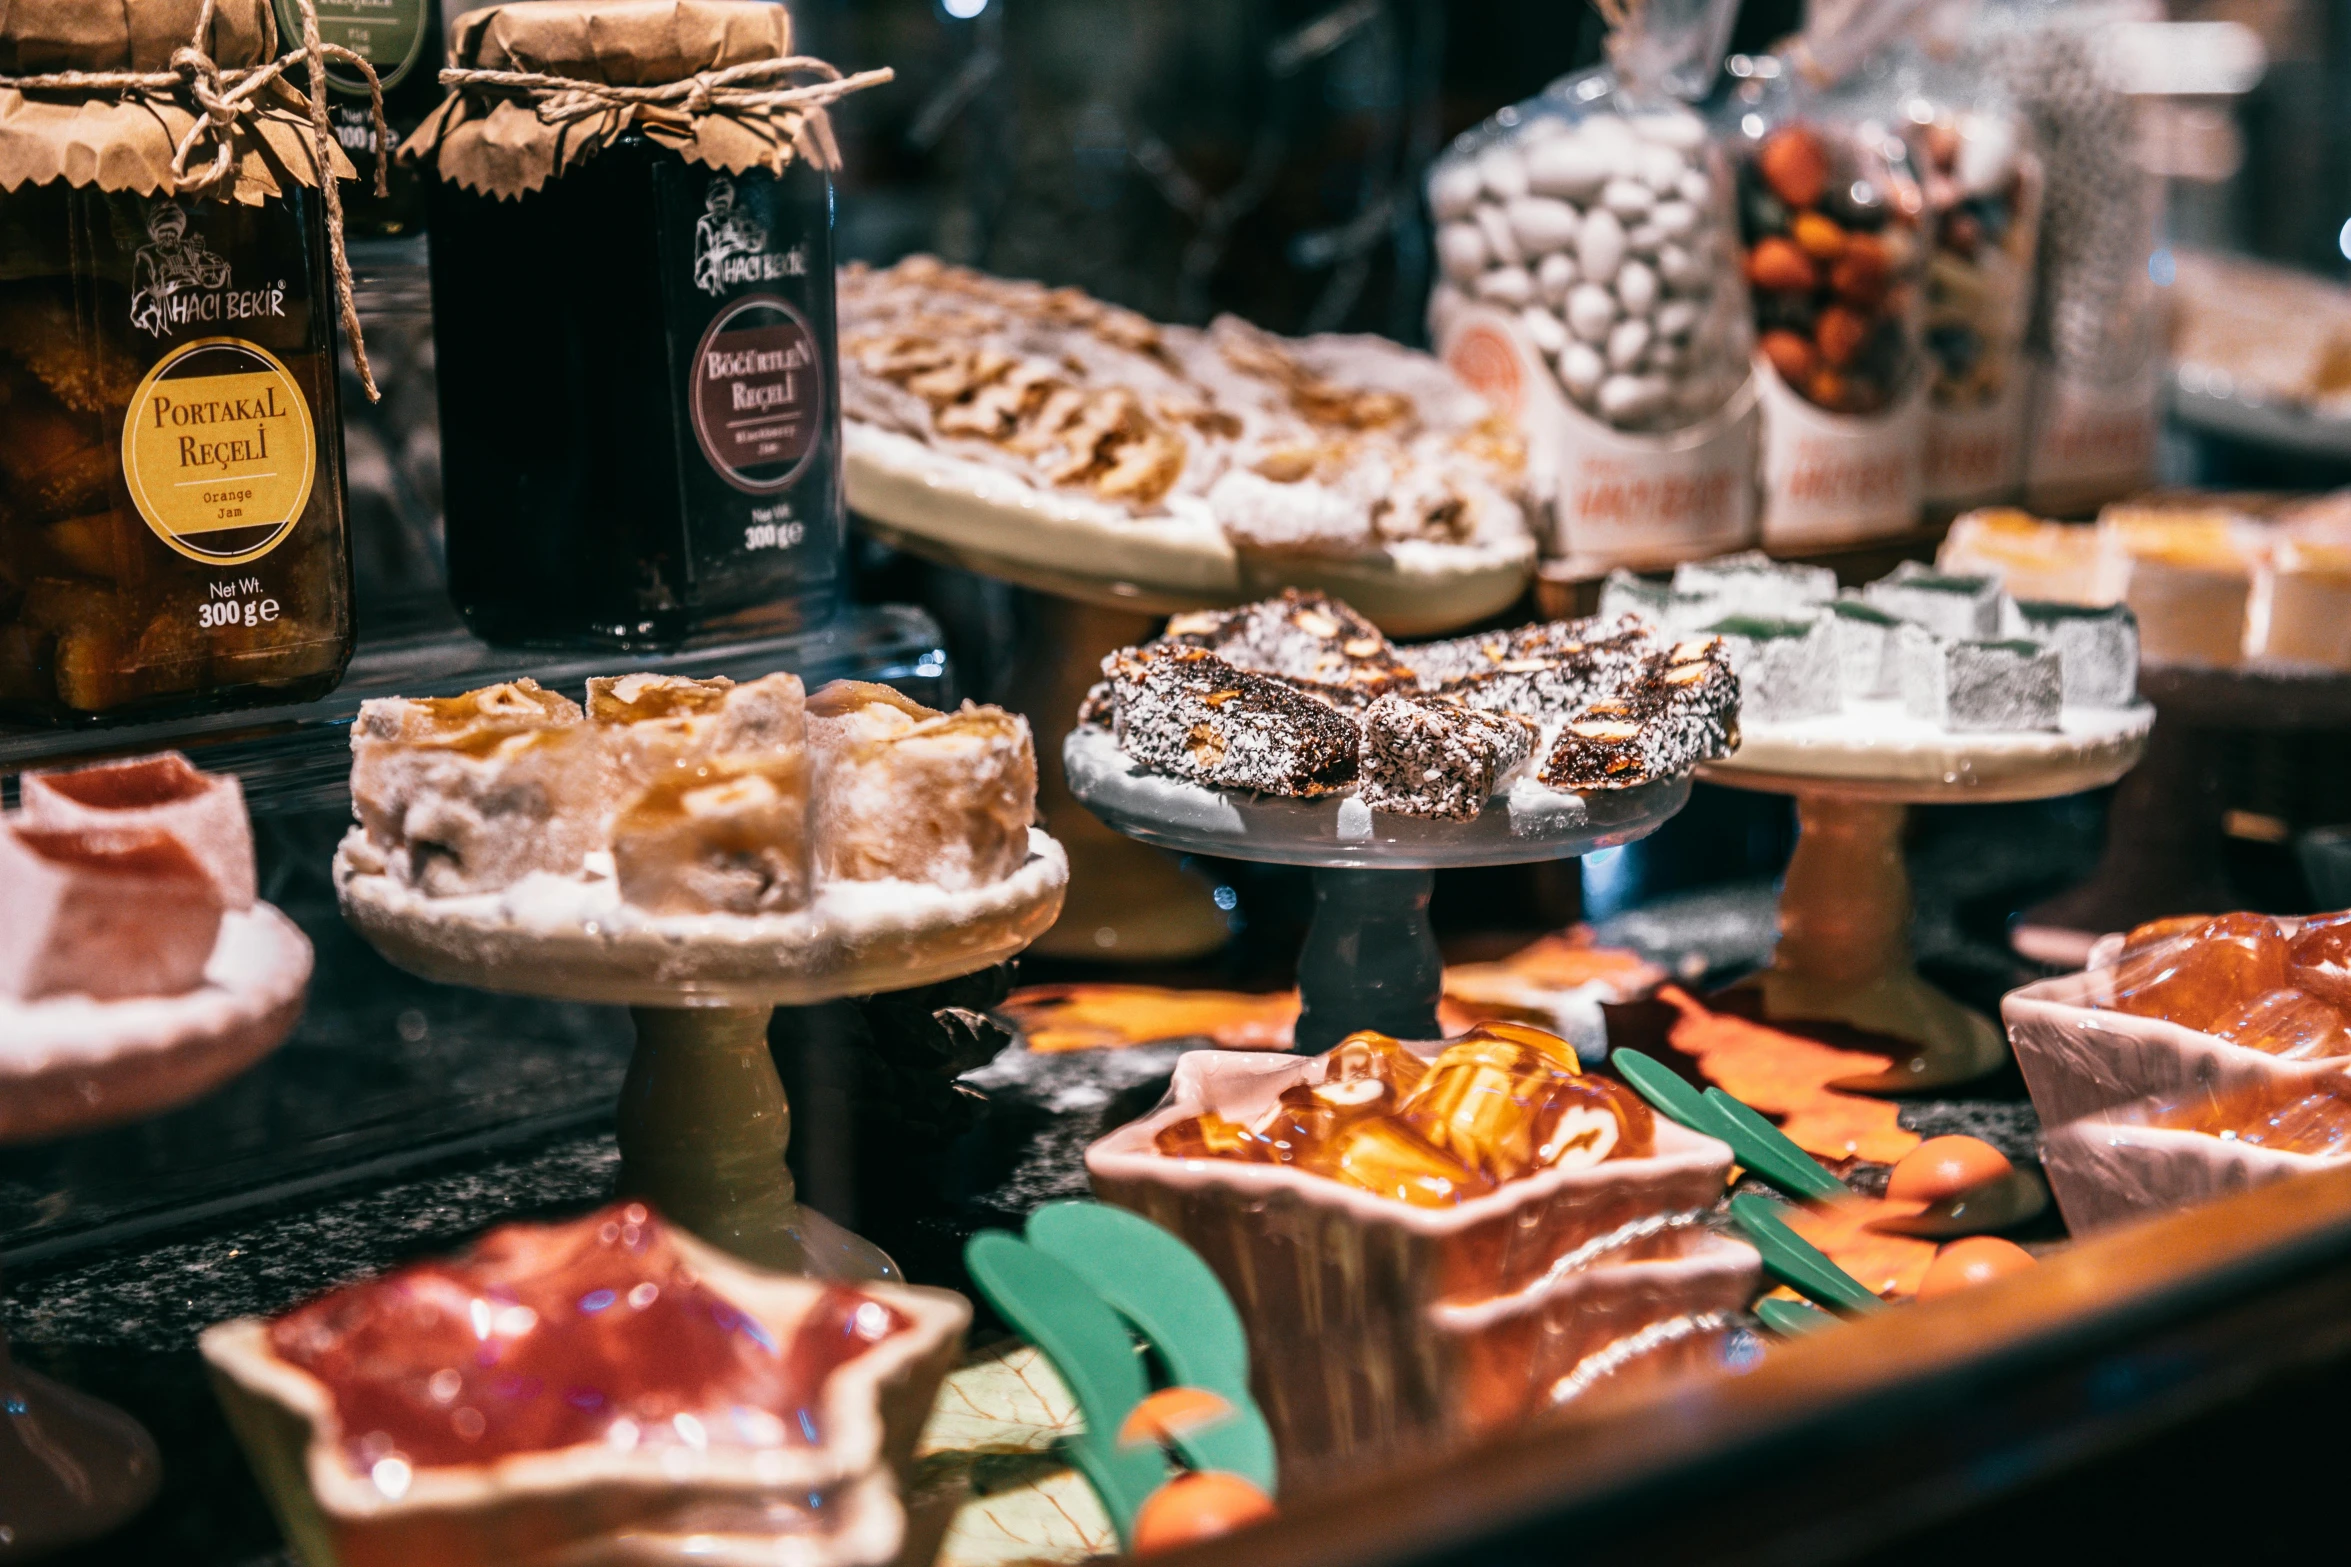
{"points": [[123, 138], [540, 86]]}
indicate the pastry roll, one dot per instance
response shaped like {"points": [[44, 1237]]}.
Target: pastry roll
{"points": [[906, 793], [725, 836], [472, 793]]}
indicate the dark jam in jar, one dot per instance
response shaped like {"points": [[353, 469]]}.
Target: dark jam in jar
{"points": [[172, 533], [640, 410]]}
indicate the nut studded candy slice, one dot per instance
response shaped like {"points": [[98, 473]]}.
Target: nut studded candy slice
{"points": [[104, 913], [1681, 709], [1978, 687], [204, 811], [1307, 638], [903, 792], [728, 835], [1788, 669], [1189, 714], [1428, 756]]}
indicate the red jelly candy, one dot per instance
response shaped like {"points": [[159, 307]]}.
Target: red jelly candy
{"points": [[2197, 979], [553, 1336]]}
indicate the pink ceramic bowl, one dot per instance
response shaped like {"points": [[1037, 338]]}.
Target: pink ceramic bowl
{"points": [[1378, 1329], [2112, 1167], [2079, 1058]]}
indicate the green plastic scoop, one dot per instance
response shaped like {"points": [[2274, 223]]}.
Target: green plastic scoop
{"points": [[1755, 1142], [1061, 1314], [1795, 1261], [1161, 1286], [1792, 1318]]}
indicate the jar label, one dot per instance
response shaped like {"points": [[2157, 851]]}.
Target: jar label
{"points": [[758, 398], [218, 451], [387, 34]]}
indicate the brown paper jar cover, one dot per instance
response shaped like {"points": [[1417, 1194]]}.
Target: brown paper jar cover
{"points": [[120, 142], [504, 147], [172, 532]]}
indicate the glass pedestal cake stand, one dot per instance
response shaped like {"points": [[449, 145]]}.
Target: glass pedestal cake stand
{"points": [[1102, 588], [1844, 949], [1371, 958], [72, 1468], [703, 1123]]}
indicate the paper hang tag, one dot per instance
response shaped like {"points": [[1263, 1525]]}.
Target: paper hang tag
{"points": [[1975, 456], [2090, 443], [1829, 477], [1614, 498]]}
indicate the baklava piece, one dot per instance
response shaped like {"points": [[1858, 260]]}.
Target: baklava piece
{"points": [[656, 725], [105, 913], [726, 836], [1187, 713], [1680, 708], [472, 793], [1430, 756], [166, 792], [1307, 638], [906, 793]]}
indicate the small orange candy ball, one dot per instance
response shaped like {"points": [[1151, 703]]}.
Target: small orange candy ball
{"points": [[1964, 1264], [1943, 1167], [1197, 1506]]}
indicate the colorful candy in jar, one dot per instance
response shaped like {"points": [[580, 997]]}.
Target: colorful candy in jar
{"points": [[1830, 222], [1500, 1103], [1982, 190]]}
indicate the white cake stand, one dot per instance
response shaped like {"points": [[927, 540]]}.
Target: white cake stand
{"points": [[1844, 948], [703, 1121], [72, 1468], [1103, 580], [1371, 958]]}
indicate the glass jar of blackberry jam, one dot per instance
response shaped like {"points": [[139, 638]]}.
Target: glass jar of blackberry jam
{"points": [[633, 322]]}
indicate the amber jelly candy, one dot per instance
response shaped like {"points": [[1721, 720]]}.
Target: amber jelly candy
{"points": [[2319, 961], [2197, 979], [1391, 1160], [2287, 1023], [1208, 1137]]}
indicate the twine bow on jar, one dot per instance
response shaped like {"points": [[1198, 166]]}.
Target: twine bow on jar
{"points": [[742, 92], [221, 99]]}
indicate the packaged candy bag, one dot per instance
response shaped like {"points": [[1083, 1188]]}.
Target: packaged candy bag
{"points": [[2096, 339], [1832, 220], [1980, 174], [1591, 287]]}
